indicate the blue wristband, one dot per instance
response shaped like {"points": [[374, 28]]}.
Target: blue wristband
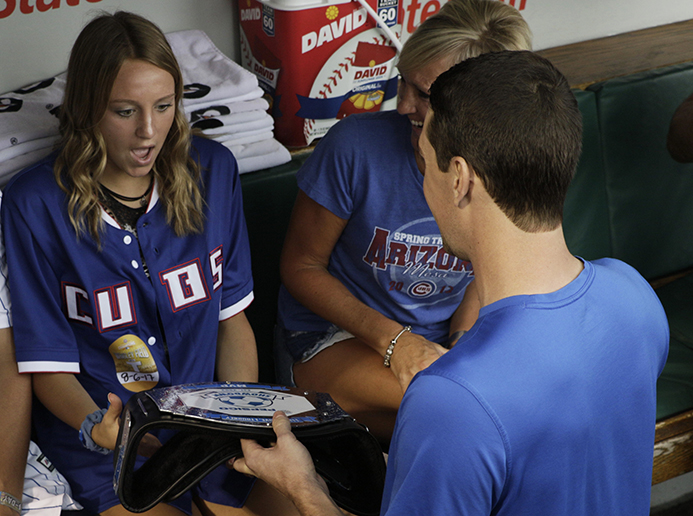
{"points": [[85, 432]]}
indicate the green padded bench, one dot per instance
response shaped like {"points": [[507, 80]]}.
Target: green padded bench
{"points": [[586, 207], [268, 198], [651, 220], [629, 200]]}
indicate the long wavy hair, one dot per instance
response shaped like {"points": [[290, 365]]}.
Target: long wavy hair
{"points": [[96, 58]]}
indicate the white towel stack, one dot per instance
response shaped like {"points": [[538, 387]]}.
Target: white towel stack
{"points": [[28, 124], [225, 101], [222, 98]]}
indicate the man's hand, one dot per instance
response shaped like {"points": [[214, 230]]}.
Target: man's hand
{"points": [[105, 434], [288, 467], [412, 354]]}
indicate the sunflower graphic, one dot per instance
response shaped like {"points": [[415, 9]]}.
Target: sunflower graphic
{"points": [[332, 12]]}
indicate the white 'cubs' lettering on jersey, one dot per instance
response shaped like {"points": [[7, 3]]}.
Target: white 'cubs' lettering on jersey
{"points": [[216, 263], [72, 295], [185, 284], [114, 307]]}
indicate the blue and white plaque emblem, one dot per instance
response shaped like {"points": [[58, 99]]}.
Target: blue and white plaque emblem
{"points": [[246, 402]]}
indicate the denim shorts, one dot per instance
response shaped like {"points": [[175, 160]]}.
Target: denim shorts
{"points": [[291, 347]]}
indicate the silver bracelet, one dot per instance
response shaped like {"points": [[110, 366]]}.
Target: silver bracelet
{"points": [[391, 347], [10, 501]]}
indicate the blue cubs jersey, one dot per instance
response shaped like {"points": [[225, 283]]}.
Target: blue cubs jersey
{"points": [[81, 309], [390, 255]]}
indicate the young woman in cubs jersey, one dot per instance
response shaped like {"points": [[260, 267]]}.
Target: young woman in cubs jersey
{"points": [[130, 263]]}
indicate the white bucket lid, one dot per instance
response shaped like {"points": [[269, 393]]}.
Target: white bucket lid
{"points": [[299, 5]]}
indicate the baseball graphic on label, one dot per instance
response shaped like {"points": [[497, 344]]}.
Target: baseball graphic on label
{"points": [[356, 75]]}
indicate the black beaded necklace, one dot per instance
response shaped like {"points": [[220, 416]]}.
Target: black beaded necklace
{"points": [[143, 199], [126, 216]]}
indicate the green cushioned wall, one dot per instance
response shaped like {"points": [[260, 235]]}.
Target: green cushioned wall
{"points": [[585, 215], [675, 385], [649, 194], [268, 198]]}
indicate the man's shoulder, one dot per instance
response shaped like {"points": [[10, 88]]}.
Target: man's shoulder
{"points": [[621, 290], [611, 272], [615, 266]]}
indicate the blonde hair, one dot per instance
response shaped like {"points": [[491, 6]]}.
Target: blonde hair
{"points": [[464, 29], [96, 58]]}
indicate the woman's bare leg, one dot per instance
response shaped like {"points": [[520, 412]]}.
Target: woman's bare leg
{"points": [[354, 375], [263, 500]]}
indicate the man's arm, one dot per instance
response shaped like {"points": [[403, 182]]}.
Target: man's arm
{"points": [[445, 438], [15, 407], [288, 467]]}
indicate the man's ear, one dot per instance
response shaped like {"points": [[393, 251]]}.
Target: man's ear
{"points": [[462, 179]]}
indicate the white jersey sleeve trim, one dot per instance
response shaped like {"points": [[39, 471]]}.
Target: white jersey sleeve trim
{"points": [[48, 367], [236, 308]]}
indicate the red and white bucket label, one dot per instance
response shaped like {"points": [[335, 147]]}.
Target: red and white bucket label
{"points": [[319, 64]]}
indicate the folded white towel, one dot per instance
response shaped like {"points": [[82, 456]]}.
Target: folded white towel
{"points": [[263, 122], [195, 104], [260, 104], [28, 147], [209, 75], [221, 118], [245, 138], [251, 150], [10, 167], [270, 158], [25, 114]]}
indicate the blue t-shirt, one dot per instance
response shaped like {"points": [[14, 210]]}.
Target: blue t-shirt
{"points": [[390, 255], [545, 407]]}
